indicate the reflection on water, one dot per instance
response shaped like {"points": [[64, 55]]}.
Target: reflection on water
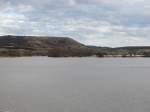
{"points": [[41, 84]]}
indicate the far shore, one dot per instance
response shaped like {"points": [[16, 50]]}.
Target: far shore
{"points": [[94, 56], [27, 46]]}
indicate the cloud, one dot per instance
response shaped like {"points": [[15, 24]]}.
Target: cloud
{"points": [[97, 22]]}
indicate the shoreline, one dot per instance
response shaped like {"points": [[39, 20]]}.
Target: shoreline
{"points": [[106, 56]]}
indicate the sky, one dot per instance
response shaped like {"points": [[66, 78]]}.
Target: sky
{"points": [[111, 23]]}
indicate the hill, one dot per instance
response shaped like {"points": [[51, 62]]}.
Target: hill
{"points": [[26, 42], [62, 47], [41, 46]]}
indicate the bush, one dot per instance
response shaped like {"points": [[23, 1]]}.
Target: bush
{"points": [[72, 52], [100, 54], [146, 54], [57, 52]]}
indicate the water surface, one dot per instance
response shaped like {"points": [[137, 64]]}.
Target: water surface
{"points": [[41, 84]]}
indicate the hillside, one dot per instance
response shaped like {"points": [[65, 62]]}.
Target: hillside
{"points": [[26, 42], [40, 46]]}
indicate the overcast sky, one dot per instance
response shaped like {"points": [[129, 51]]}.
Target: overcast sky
{"points": [[93, 22]]}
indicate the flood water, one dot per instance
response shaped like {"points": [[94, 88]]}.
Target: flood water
{"points": [[42, 84]]}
